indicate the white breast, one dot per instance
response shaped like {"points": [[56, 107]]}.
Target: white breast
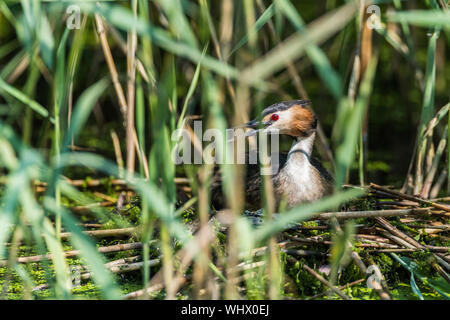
{"points": [[299, 181], [301, 184]]}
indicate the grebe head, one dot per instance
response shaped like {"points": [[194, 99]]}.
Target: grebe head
{"points": [[291, 118]]}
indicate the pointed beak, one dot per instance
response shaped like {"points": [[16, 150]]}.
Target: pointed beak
{"points": [[251, 132], [251, 124], [254, 126]]}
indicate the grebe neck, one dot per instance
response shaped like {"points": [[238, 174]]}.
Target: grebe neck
{"points": [[302, 147]]}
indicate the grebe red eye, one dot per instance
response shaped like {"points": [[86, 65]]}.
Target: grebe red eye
{"points": [[275, 117]]}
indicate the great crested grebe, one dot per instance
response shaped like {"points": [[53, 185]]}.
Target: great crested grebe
{"points": [[300, 177]]}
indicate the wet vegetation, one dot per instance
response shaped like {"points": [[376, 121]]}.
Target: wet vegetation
{"points": [[93, 207]]}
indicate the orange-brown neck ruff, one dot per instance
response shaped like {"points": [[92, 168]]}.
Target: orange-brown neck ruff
{"points": [[303, 122]]}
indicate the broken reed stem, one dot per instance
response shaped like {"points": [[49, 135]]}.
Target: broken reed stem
{"points": [[103, 233], [398, 203], [387, 250], [131, 71], [436, 119], [141, 155], [425, 136], [355, 78], [326, 283], [123, 261], [369, 214], [412, 243], [118, 266], [434, 166], [106, 233], [123, 104], [419, 165], [117, 152], [370, 237], [111, 65], [405, 240], [21, 67], [305, 253], [201, 273], [393, 250], [122, 45], [431, 152], [226, 27], [127, 267], [439, 183], [88, 208], [397, 240], [367, 244], [412, 198], [72, 253], [429, 129], [425, 226], [345, 286], [444, 199], [153, 288], [94, 183]]}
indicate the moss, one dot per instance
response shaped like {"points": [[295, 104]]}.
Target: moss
{"points": [[311, 224], [188, 215], [306, 284], [298, 283], [134, 215], [349, 274]]}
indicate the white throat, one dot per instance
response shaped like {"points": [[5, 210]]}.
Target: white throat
{"points": [[302, 147], [298, 164], [298, 170]]}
